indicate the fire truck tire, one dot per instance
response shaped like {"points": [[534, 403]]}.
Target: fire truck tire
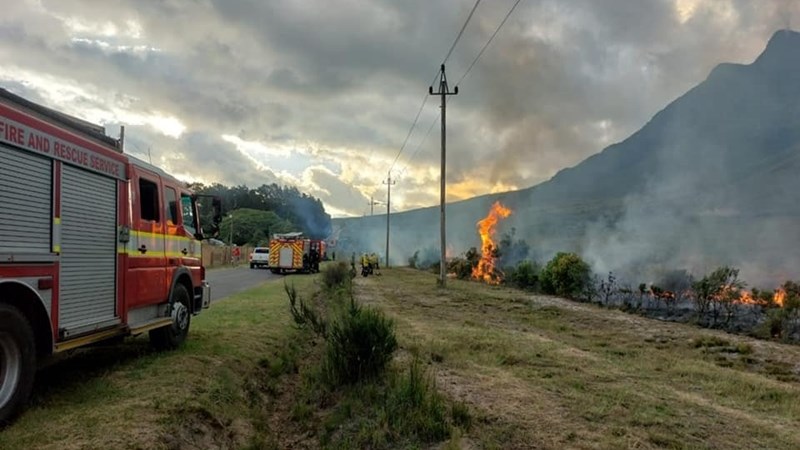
{"points": [[171, 337], [17, 362]]}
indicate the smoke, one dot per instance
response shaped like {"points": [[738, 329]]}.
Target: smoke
{"points": [[711, 180]]}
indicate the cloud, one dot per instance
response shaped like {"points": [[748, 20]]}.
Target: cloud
{"points": [[324, 95]]}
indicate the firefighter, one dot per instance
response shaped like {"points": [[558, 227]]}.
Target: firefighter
{"points": [[366, 268], [315, 260], [373, 263]]}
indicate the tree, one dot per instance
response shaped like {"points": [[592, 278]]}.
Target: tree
{"points": [[303, 212], [717, 291], [252, 227]]}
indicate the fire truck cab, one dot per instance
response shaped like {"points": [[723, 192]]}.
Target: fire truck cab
{"points": [[94, 244]]}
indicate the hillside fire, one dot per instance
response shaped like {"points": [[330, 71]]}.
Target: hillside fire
{"points": [[776, 299], [485, 270]]}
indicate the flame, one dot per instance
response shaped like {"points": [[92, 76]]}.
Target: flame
{"points": [[485, 269], [747, 298], [779, 298]]}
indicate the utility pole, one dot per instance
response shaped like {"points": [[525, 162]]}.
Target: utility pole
{"points": [[389, 184], [444, 91], [372, 204]]}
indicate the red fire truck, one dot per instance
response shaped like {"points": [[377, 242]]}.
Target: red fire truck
{"points": [[94, 244], [292, 252]]}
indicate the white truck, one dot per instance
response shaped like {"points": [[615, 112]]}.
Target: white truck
{"points": [[259, 257]]}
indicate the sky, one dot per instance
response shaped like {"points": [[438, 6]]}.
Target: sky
{"points": [[322, 94]]}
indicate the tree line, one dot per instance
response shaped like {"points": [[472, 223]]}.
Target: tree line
{"points": [[251, 216]]}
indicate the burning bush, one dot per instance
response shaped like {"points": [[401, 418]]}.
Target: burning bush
{"points": [[716, 293], [463, 267], [566, 275], [485, 270], [784, 313]]}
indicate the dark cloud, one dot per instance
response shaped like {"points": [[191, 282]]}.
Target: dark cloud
{"points": [[342, 82]]}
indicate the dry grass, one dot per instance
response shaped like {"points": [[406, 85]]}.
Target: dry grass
{"points": [[534, 372], [542, 372]]}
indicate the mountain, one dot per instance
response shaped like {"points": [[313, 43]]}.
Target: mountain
{"points": [[713, 178]]}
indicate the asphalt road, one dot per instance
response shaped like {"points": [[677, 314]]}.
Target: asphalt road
{"points": [[225, 282]]}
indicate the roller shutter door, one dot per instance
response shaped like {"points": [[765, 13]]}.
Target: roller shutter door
{"points": [[25, 208], [88, 248]]}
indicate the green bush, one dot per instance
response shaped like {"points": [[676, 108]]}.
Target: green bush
{"points": [[524, 276], [566, 275], [336, 275], [359, 345], [415, 408]]}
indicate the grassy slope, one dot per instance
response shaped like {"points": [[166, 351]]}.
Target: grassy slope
{"points": [[549, 373], [535, 371], [209, 393]]}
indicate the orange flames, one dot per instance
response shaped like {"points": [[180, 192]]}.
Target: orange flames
{"points": [[746, 297], [779, 298], [485, 269]]}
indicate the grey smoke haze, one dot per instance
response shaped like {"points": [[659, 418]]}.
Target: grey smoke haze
{"points": [[710, 180]]}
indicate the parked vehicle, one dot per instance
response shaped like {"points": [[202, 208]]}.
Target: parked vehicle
{"points": [[95, 244], [259, 257], [292, 252]]}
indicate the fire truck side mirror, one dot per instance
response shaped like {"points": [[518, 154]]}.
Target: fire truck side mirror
{"points": [[206, 230], [216, 203]]}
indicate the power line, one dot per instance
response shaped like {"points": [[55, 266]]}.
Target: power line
{"points": [[424, 100], [485, 46], [474, 61], [419, 146], [411, 130], [463, 27]]}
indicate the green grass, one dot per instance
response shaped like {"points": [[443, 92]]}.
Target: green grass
{"points": [[211, 392], [556, 373], [492, 368]]}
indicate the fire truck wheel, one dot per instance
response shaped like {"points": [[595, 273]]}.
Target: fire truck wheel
{"points": [[167, 338], [17, 361]]}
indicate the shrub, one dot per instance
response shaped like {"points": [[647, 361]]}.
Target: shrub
{"points": [[359, 345], [414, 407], [716, 291], [566, 275], [607, 288], [524, 276], [679, 282], [461, 267], [336, 275], [413, 260], [302, 313], [782, 321]]}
